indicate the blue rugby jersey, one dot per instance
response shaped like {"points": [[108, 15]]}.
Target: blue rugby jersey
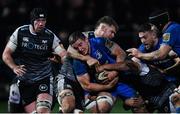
{"points": [[171, 37], [164, 63], [99, 51]]}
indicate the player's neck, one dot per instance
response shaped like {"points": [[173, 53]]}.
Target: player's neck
{"points": [[165, 27], [156, 42], [31, 28]]}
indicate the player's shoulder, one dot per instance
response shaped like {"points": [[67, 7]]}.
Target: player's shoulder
{"points": [[48, 31], [172, 27], [23, 27]]}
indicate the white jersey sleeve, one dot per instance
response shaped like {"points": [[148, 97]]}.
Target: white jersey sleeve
{"points": [[12, 43], [56, 45]]}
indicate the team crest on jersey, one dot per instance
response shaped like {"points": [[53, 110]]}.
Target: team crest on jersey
{"points": [[26, 39], [98, 54], [166, 37]]}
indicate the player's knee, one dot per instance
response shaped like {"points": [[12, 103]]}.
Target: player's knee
{"points": [[63, 94], [43, 106], [44, 103], [67, 107], [104, 103], [67, 101], [89, 104]]}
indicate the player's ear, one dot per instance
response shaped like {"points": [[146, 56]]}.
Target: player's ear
{"points": [[103, 27], [86, 39], [154, 35]]}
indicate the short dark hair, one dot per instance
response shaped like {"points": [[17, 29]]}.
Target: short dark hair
{"points": [[75, 36], [148, 27], [107, 20], [145, 27], [37, 13]]}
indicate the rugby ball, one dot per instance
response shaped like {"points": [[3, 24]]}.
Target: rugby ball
{"points": [[100, 77]]}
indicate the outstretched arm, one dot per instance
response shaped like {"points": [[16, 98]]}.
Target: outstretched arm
{"points": [[161, 53], [116, 66]]}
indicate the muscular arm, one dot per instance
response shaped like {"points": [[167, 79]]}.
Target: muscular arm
{"points": [[61, 52], [70, 52], [116, 66], [7, 58], [84, 80], [161, 53], [120, 57], [9, 49], [76, 55], [117, 51]]}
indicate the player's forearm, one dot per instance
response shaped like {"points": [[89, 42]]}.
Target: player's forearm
{"points": [[161, 53], [75, 54], [79, 56], [151, 56], [121, 66], [95, 87], [119, 53]]}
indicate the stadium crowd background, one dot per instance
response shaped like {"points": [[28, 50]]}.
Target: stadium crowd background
{"points": [[66, 16]]}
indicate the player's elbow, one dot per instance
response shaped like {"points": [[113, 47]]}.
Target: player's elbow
{"points": [[159, 54], [5, 56], [163, 51], [88, 88]]}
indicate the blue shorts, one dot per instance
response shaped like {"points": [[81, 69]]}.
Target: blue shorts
{"points": [[123, 91]]}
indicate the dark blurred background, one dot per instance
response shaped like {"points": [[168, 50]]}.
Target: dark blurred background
{"points": [[66, 16]]}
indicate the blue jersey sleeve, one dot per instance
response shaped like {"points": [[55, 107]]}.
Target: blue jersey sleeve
{"points": [[169, 38], [171, 35], [79, 67], [142, 48]]}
